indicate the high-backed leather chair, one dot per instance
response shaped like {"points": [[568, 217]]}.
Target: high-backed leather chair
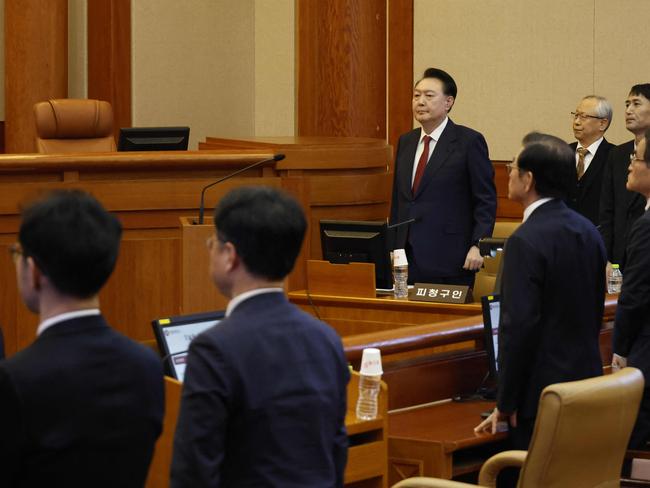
{"points": [[70, 125], [580, 437]]}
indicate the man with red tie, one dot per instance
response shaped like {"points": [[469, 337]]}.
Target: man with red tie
{"points": [[444, 180]]}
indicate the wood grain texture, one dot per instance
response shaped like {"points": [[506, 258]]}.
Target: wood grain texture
{"points": [[400, 69], [341, 68], [36, 64], [109, 57]]}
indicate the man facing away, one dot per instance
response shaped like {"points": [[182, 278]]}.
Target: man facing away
{"points": [[620, 207], [445, 181], [553, 289], [591, 119], [264, 397], [631, 339], [82, 405]]}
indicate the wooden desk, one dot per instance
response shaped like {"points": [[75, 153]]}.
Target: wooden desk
{"points": [[352, 315], [439, 441]]}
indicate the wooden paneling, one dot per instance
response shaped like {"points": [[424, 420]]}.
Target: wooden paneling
{"points": [[400, 68], [341, 68], [36, 64], [109, 56]]}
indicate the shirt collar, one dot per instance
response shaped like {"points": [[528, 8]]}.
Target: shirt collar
{"points": [[435, 133], [593, 147], [62, 317], [533, 206], [236, 301], [647, 205]]}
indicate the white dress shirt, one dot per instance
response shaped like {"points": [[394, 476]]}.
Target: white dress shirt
{"points": [[435, 137]]}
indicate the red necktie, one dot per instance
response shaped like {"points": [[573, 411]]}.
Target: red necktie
{"points": [[422, 164]]}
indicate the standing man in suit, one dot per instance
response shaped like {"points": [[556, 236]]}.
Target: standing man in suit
{"points": [[264, 397], [553, 289], [83, 404], [620, 207], [590, 121], [445, 181], [631, 340]]}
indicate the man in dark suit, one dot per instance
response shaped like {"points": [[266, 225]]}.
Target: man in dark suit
{"points": [[83, 404], [590, 121], [552, 290], [264, 397], [620, 207], [445, 181], [631, 340]]}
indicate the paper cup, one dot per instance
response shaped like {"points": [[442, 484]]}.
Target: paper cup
{"points": [[371, 362], [399, 258]]}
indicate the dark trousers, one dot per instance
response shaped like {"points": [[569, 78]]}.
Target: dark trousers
{"points": [[463, 278]]}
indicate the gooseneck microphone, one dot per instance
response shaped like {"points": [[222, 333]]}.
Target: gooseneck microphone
{"points": [[277, 157]]}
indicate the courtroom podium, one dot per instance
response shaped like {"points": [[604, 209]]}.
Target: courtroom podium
{"points": [[198, 292]]}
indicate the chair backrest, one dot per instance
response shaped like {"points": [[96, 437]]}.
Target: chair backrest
{"points": [[581, 432], [71, 125]]}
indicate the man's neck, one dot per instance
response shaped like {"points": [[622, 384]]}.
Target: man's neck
{"points": [[639, 136], [49, 308], [432, 125], [588, 142]]}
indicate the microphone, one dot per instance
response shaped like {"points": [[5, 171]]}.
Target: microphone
{"points": [[277, 157]]}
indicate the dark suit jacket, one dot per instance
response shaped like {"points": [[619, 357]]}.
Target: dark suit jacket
{"points": [[619, 208], [455, 204], [263, 402], [632, 325], [586, 196], [552, 305], [81, 406]]}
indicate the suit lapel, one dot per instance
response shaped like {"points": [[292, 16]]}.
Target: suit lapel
{"points": [[596, 163], [406, 162], [440, 154]]}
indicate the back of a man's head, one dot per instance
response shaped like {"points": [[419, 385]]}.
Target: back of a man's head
{"points": [[73, 240], [552, 163], [265, 225]]}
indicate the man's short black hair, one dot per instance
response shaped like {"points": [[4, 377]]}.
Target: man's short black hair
{"points": [[265, 225], [642, 89], [72, 239], [552, 163], [448, 84]]}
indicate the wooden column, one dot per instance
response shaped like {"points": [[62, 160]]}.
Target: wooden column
{"points": [[341, 68], [36, 64], [109, 56]]}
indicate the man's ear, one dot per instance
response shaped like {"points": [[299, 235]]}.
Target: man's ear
{"points": [[232, 259], [35, 273]]}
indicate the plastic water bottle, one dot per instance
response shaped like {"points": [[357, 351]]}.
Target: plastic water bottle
{"points": [[369, 384], [615, 280], [400, 274]]}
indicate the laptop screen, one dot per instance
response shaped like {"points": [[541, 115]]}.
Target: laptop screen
{"points": [[491, 310], [174, 335]]}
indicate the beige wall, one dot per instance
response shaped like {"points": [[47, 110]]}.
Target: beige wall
{"points": [[77, 49], [523, 65], [224, 68]]}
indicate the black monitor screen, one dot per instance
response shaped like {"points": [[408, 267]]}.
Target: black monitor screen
{"points": [[346, 241], [174, 335], [153, 139], [491, 314]]}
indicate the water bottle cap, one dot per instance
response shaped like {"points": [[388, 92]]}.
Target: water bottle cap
{"points": [[615, 266], [371, 362], [399, 258]]}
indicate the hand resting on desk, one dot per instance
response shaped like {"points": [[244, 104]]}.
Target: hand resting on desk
{"points": [[491, 424]]}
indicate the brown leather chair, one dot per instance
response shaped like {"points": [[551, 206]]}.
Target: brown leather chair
{"points": [[581, 433], [71, 125]]}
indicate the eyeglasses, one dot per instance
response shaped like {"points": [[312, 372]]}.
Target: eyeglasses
{"points": [[634, 159], [510, 167], [15, 251], [582, 117]]}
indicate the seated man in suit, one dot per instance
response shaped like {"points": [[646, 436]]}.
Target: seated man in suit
{"points": [[590, 121], [620, 207], [264, 397], [83, 404], [445, 181], [553, 288], [631, 339]]}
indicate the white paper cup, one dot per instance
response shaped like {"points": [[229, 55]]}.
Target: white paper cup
{"points": [[399, 258], [371, 362]]}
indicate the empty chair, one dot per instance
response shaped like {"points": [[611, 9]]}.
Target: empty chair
{"points": [[72, 125], [580, 437]]}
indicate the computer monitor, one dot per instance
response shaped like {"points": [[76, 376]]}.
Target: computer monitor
{"points": [[491, 313], [354, 241], [153, 139], [174, 335]]}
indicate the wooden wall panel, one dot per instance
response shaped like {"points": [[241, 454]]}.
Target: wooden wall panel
{"points": [[341, 68], [400, 69], [109, 56], [36, 64]]}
